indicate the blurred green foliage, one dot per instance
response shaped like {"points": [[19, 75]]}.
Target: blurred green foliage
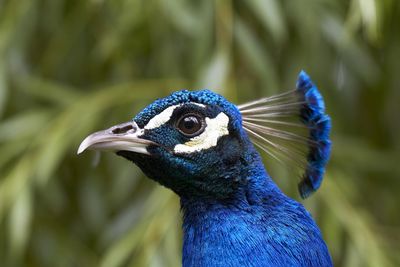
{"points": [[68, 68]]}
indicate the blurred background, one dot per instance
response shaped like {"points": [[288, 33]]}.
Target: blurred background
{"points": [[68, 68]]}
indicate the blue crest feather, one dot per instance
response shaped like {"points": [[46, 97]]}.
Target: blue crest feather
{"points": [[270, 123], [313, 115]]}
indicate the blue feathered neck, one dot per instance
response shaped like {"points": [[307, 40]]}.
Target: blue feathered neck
{"points": [[257, 226]]}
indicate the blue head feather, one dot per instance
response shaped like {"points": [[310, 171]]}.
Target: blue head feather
{"points": [[313, 115], [205, 97]]}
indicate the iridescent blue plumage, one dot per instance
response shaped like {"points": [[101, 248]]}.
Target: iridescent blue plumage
{"points": [[206, 97], [233, 213], [312, 114]]}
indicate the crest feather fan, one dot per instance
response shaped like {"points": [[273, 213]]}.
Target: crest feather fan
{"points": [[293, 126]]}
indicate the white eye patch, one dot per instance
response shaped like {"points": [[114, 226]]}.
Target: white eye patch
{"points": [[216, 128], [161, 118], [164, 117]]}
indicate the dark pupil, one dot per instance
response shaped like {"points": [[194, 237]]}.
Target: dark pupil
{"points": [[190, 125]]}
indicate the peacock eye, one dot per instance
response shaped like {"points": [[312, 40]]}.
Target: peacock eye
{"points": [[191, 125]]}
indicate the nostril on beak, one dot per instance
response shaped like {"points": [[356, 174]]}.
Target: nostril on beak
{"points": [[124, 128], [120, 130]]}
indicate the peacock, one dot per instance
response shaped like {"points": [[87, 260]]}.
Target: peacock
{"points": [[204, 148]]}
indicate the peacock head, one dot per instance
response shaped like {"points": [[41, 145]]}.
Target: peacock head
{"points": [[190, 141], [197, 142]]}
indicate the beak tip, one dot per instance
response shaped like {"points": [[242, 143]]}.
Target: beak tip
{"points": [[82, 147], [80, 150]]}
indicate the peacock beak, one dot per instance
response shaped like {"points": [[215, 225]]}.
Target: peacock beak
{"points": [[122, 137]]}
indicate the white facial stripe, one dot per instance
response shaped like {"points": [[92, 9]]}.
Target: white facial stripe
{"points": [[164, 116], [161, 118], [215, 129], [198, 104]]}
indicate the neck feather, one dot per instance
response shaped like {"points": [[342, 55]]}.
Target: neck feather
{"points": [[256, 226]]}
